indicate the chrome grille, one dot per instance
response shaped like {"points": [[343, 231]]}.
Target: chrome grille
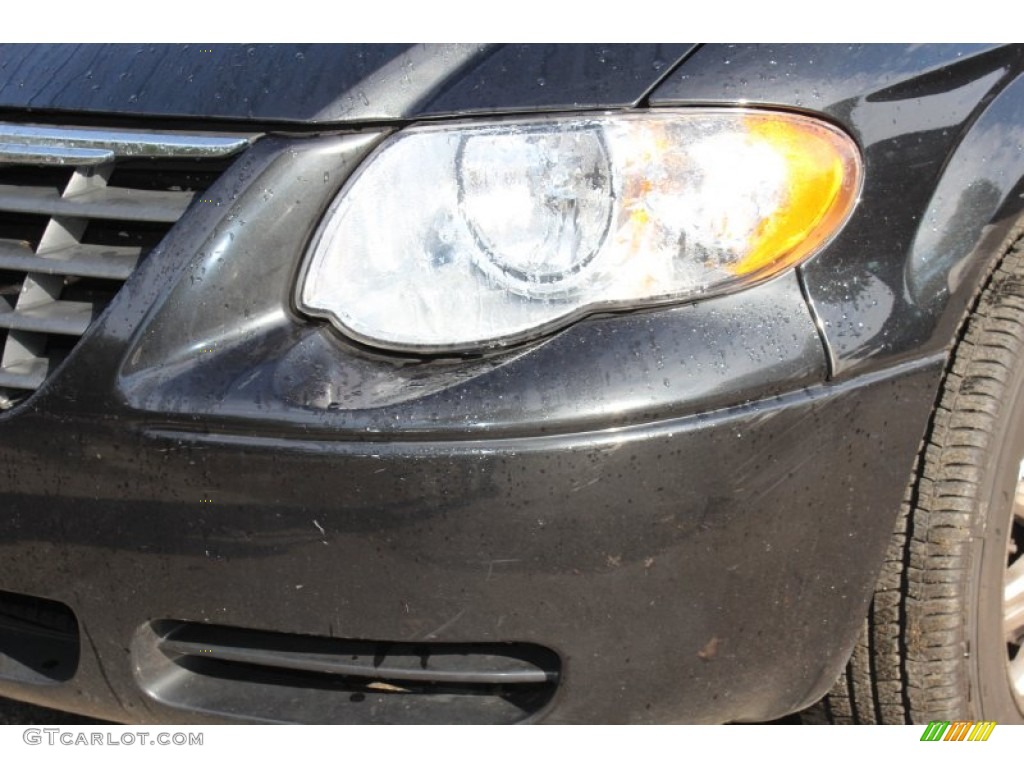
{"points": [[79, 208]]}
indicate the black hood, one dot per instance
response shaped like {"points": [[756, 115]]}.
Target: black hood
{"points": [[327, 83]]}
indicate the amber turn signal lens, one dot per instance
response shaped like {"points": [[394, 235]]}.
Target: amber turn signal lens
{"points": [[822, 183]]}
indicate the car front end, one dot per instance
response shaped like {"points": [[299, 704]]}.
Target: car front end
{"points": [[224, 499]]}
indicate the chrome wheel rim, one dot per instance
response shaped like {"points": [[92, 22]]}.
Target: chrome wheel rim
{"points": [[1013, 595]]}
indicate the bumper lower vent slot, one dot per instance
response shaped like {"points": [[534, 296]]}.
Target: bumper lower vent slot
{"points": [[39, 640], [79, 208], [276, 677]]}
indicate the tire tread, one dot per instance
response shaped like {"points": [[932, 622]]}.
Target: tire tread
{"points": [[908, 665]]}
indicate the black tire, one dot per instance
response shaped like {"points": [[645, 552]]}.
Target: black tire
{"points": [[933, 646]]}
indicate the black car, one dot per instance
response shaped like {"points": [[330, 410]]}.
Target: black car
{"points": [[490, 384]]}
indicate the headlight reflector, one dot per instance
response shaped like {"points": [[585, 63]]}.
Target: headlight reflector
{"points": [[466, 237], [537, 202]]}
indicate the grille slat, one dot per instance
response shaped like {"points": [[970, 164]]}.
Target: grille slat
{"points": [[104, 203], [125, 143], [80, 260], [24, 375], [69, 318], [79, 209], [13, 154]]}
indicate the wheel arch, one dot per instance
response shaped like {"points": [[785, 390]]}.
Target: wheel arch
{"points": [[975, 214]]}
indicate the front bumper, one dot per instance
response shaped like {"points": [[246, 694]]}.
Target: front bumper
{"points": [[671, 501], [702, 569]]}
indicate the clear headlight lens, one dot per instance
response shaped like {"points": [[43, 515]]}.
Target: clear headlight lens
{"points": [[475, 236]]}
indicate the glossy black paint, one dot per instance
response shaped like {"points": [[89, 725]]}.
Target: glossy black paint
{"points": [[551, 77], [677, 501], [698, 569], [327, 83]]}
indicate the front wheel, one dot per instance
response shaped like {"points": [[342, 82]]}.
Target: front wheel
{"points": [[943, 638]]}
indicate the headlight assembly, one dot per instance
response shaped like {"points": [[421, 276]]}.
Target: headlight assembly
{"points": [[473, 236]]}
